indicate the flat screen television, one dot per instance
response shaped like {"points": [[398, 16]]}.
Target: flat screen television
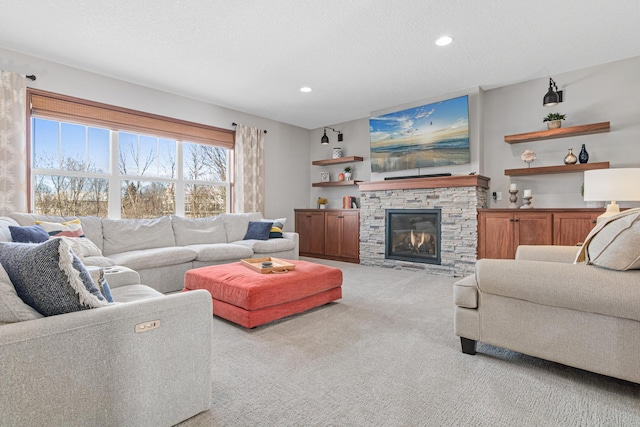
{"points": [[427, 136]]}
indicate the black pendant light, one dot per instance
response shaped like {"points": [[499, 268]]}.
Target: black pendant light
{"points": [[553, 96], [325, 139]]}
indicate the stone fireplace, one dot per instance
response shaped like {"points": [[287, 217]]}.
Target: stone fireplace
{"points": [[413, 235], [457, 198]]}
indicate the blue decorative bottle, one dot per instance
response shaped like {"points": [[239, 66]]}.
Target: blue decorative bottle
{"points": [[583, 156]]}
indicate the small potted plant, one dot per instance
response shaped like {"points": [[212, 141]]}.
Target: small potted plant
{"points": [[322, 202], [554, 120], [347, 173]]}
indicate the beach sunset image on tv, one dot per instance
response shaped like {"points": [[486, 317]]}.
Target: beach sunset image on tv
{"points": [[431, 135]]}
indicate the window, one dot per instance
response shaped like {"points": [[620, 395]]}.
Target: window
{"points": [[82, 168]]}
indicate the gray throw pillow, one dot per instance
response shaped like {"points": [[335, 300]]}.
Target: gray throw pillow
{"points": [[12, 308], [49, 277]]}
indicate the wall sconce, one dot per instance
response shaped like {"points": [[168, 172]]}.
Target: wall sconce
{"points": [[553, 96], [325, 139]]}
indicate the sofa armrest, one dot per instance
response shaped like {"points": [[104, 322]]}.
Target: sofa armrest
{"points": [[121, 377], [564, 254], [296, 240]]}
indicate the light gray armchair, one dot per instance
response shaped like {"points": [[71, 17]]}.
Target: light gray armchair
{"points": [[543, 305]]}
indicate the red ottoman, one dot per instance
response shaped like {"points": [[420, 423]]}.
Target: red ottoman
{"points": [[249, 298]]}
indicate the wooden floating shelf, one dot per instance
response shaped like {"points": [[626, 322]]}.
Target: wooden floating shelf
{"points": [[558, 133], [578, 167], [337, 161], [335, 183]]}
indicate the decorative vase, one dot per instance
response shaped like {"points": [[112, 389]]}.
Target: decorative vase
{"points": [[584, 155], [570, 158], [337, 153], [340, 176], [347, 176], [322, 206], [554, 124]]}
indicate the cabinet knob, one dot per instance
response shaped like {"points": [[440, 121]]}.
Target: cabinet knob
{"points": [[516, 220], [593, 221]]}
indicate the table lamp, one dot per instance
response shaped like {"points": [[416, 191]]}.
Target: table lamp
{"points": [[621, 184]]}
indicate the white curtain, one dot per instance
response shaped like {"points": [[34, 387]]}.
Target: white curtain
{"points": [[249, 170], [13, 143]]}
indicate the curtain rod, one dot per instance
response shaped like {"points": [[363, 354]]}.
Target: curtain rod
{"points": [[235, 124]]}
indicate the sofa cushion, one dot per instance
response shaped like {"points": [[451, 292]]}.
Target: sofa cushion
{"points": [[258, 231], [126, 235], [194, 231], [49, 277], [12, 308], [267, 246], [236, 224], [156, 257], [617, 244], [221, 252], [28, 234]]}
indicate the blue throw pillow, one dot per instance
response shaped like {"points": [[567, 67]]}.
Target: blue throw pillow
{"points": [[28, 234], [49, 277], [258, 231]]}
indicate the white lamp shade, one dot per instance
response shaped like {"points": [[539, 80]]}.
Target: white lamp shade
{"points": [[622, 184]]}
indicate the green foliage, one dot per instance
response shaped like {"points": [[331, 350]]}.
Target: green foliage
{"points": [[554, 116], [347, 169]]}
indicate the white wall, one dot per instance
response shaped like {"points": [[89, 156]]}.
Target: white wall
{"points": [[285, 145], [609, 92]]}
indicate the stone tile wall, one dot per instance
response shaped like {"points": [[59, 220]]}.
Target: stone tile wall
{"points": [[459, 228]]}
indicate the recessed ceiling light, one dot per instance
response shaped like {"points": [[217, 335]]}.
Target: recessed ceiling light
{"points": [[444, 40], [305, 89]]}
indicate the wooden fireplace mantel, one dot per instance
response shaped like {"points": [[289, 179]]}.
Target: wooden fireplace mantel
{"points": [[434, 182]]}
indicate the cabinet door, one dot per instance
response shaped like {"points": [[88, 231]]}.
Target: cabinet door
{"points": [[532, 228], [333, 233], [571, 228], [495, 235], [351, 235], [310, 228]]}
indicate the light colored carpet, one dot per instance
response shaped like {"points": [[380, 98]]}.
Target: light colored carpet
{"points": [[386, 355]]}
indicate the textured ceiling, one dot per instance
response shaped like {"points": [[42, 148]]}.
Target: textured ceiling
{"points": [[358, 56]]}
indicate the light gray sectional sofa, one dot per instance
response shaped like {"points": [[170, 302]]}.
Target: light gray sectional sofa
{"points": [[144, 360], [161, 250]]}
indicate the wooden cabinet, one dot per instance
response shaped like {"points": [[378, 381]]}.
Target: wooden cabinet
{"points": [[500, 231], [329, 233], [572, 227]]}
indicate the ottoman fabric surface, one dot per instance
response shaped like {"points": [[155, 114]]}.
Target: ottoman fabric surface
{"points": [[239, 286]]}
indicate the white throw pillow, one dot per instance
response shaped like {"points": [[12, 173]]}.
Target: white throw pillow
{"points": [[617, 245]]}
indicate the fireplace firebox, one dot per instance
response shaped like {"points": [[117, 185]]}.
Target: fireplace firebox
{"points": [[413, 235]]}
